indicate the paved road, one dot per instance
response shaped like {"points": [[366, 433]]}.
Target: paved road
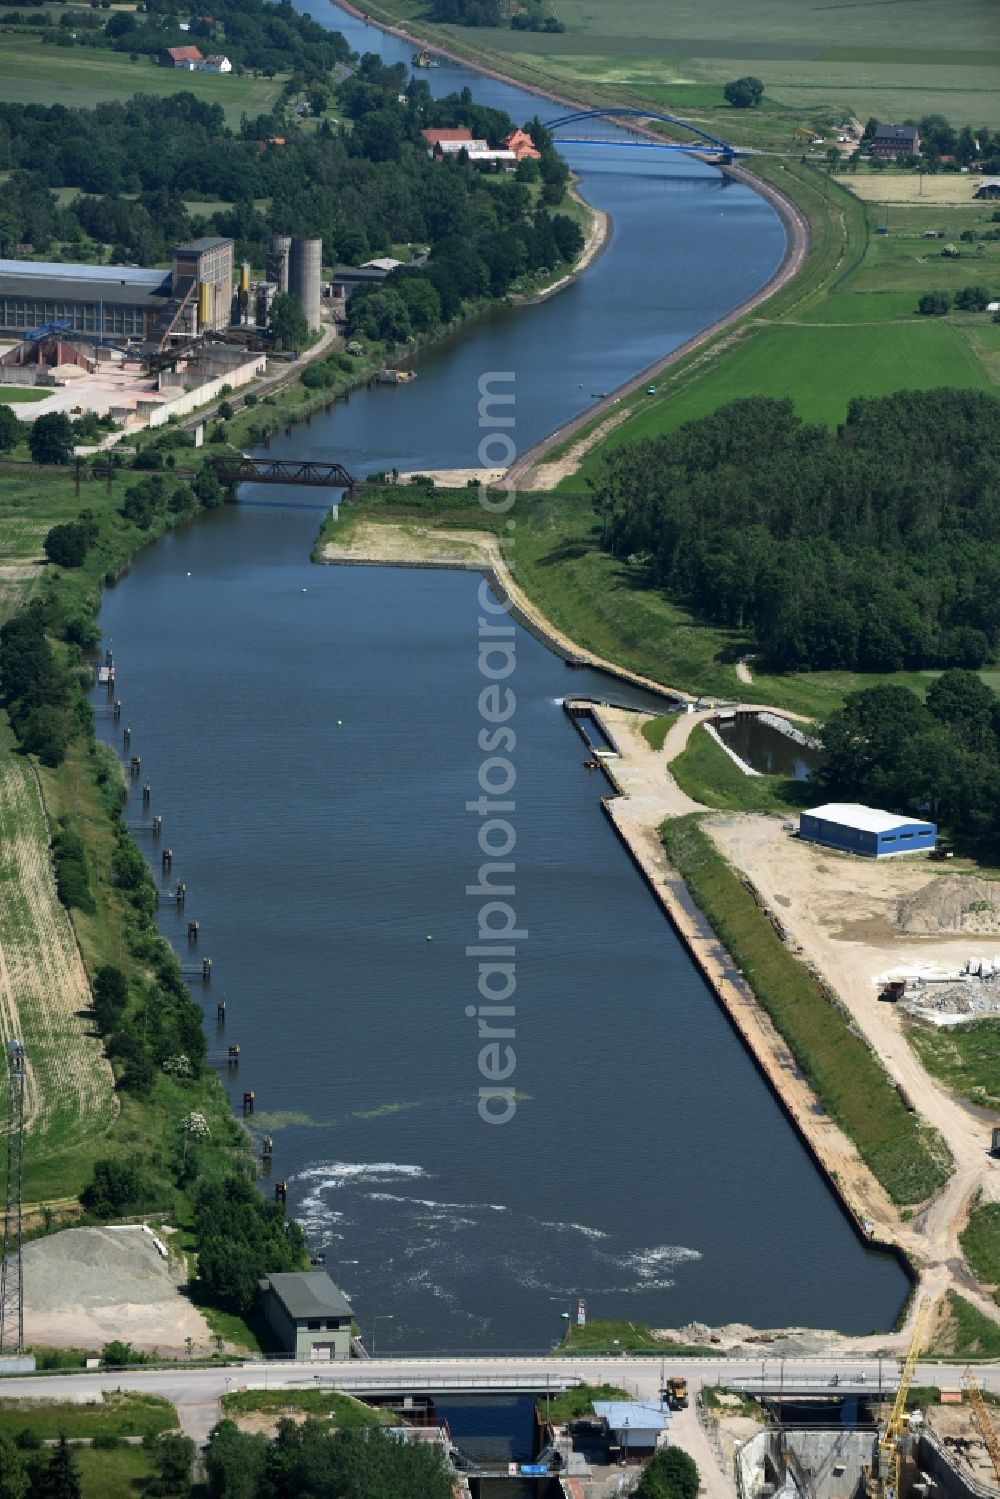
{"points": [[196, 1392]]}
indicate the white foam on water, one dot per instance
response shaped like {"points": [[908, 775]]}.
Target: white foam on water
{"points": [[342, 1173], [575, 1228]]}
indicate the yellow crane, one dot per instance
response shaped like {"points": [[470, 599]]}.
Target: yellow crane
{"points": [[983, 1419], [890, 1449]]}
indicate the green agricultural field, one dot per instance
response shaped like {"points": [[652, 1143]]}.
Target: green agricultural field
{"points": [[33, 73], [815, 59], [849, 325]]}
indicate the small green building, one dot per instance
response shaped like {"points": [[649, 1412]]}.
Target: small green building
{"points": [[308, 1315]]}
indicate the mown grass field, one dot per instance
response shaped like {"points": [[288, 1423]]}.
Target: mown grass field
{"points": [[32, 72], [121, 1415], [965, 1057], [909, 1160], [120, 1473]]}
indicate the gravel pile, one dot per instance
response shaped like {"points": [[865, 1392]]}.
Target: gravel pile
{"points": [[95, 1267], [952, 903]]}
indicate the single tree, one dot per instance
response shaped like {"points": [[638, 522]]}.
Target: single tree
{"points": [[14, 1480], [61, 1477], [288, 321], [10, 430], [51, 438], [744, 93]]}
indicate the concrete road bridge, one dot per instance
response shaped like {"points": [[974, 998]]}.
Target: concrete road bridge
{"points": [[196, 1391]]}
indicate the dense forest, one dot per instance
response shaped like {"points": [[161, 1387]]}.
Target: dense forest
{"points": [[941, 756], [873, 547], [366, 190]]}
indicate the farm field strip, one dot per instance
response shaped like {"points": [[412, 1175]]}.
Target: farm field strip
{"points": [[44, 994]]}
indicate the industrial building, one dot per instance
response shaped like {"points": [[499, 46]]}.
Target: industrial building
{"points": [[122, 302], [296, 265], [866, 830], [309, 1316]]}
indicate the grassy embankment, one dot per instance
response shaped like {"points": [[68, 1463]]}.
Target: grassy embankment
{"points": [[579, 1401], [965, 1057], [965, 1332], [341, 1411], [909, 1160], [980, 1240], [708, 775]]}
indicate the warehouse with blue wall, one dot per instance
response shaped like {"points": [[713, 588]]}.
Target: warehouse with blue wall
{"points": [[866, 830]]}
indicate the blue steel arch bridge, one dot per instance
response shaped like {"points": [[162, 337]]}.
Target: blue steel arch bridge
{"points": [[571, 130]]}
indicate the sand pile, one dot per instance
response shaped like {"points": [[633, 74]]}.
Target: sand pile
{"points": [[953, 903]]}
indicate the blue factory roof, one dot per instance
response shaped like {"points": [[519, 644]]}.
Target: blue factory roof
{"points": [[120, 275]]}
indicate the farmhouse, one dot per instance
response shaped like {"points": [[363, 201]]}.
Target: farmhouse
{"points": [[866, 830], [188, 58], [893, 141], [217, 64]]}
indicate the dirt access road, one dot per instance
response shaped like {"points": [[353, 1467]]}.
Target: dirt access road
{"points": [[840, 910]]}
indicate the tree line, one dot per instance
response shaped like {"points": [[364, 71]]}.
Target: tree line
{"points": [[871, 548], [311, 1462], [940, 757], [529, 15]]}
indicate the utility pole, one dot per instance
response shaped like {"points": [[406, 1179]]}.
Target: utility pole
{"points": [[11, 1287]]}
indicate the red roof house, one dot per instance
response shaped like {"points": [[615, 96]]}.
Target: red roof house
{"points": [[435, 137], [523, 147]]}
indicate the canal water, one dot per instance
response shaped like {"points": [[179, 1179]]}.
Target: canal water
{"points": [[310, 735]]}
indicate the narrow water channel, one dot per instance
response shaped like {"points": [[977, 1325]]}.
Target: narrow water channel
{"points": [[310, 734]]}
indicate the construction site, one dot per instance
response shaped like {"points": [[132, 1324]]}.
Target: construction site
{"points": [[903, 1441], [141, 346]]}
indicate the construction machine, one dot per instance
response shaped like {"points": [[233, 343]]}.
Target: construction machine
{"points": [[886, 1483], [983, 1419], [676, 1394]]}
